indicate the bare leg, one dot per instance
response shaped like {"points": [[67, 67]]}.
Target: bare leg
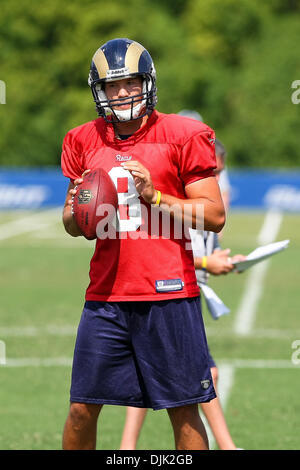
{"points": [[132, 428], [216, 419], [80, 431], [189, 431]]}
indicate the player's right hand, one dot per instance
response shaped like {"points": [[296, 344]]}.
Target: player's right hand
{"points": [[80, 180], [73, 188], [68, 219]]}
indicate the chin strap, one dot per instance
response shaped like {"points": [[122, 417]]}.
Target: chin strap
{"points": [[128, 114]]}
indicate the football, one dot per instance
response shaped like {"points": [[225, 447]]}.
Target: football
{"points": [[96, 189]]}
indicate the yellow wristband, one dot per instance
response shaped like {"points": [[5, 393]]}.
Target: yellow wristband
{"points": [[157, 202], [204, 262]]}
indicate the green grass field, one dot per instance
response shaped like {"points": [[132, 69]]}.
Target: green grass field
{"points": [[44, 274]]}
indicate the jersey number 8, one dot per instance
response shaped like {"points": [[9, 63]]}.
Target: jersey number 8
{"points": [[129, 212]]}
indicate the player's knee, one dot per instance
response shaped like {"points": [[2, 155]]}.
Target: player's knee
{"points": [[81, 414], [183, 413]]}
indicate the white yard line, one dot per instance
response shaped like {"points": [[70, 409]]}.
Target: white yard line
{"points": [[38, 362], [27, 331], [254, 333], [224, 365], [259, 363], [70, 330], [245, 315], [270, 227], [30, 223], [43, 226], [2, 352]]}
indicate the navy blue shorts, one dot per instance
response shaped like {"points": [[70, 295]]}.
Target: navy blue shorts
{"points": [[142, 354]]}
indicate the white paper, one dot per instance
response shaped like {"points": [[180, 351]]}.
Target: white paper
{"points": [[214, 304], [260, 254]]}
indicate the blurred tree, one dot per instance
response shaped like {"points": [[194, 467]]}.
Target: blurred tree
{"points": [[247, 63], [218, 29], [284, 6], [45, 54], [175, 7], [234, 62], [263, 129]]}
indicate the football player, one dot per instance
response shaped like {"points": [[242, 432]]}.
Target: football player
{"points": [[141, 340]]}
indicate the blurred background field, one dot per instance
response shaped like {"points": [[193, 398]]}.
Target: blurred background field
{"points": [[43, 278], [238, 65]]}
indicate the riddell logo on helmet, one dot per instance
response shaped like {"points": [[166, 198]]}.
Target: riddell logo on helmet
{"points": [[117, 73], [123, 158]]}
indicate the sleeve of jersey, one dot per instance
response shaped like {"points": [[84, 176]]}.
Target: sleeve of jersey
{"points": [[70, 159], [198, 158]]}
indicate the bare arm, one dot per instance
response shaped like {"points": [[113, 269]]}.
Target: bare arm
{"points": [[204, 192], [218, 262]]}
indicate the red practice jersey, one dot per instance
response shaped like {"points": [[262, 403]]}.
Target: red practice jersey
{"points": [[147, 259]]}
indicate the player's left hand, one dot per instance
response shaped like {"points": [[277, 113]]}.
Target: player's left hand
{"points": [[237, 258], [142, 180]]}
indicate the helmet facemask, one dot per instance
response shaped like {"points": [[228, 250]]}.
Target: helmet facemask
{"points": [[140, 105]]}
